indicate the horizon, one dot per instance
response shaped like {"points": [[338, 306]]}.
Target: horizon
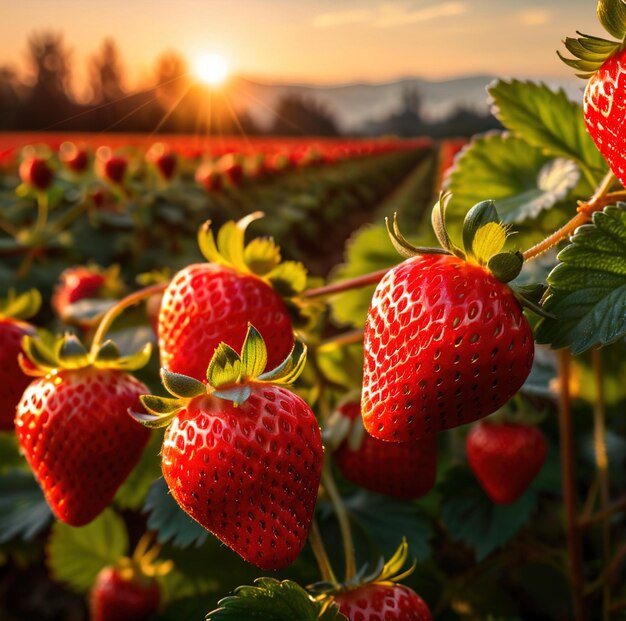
{"points": [[392, 38]]}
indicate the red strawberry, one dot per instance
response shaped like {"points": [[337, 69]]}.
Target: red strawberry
{"points": [[505, 458], [117, 597], [604, 108], [13, 381], [403, 470], [380, 602], [114, 169], [212, 302], [74, 429], [35, 171], [241, 456], [77, 283], [75, 158], [166, 164], [446, 341], [209, 178], [230, 165]]}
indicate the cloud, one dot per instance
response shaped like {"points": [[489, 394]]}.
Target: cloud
{"points": [[390, 15], [534, 17], [342, 18]]}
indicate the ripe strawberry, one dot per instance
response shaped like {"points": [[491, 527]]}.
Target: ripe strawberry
{"points": [[212, 302], [118, 597], [73, 425], [604, 106], [209, 178], [75, 158], [378, 602], [13, 381], [403, 470], [231, 167], [505, 458], [446, 341], [241, 456], [113, 167], [35, 171], [166, 164]]}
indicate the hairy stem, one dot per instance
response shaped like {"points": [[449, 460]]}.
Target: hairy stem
{"points": [[597, 202], [317, 544], [341, 512], [569, 487], [114, 311], [602, 467], [372, 278]]}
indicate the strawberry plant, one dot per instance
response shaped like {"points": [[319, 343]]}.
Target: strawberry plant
{"points": [[432, 429]]}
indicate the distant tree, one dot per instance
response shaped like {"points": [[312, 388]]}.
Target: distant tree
{"points": [[298, 114], [9, 99], [49, 99], [106, 73], [464, 122]]}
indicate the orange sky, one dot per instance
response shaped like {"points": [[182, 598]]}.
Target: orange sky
{"points": [[311, 41]]}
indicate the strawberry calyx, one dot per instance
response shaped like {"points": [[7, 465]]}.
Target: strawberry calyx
{"points": [[384, 573], [48, 354], [589, 52], [20, 306], [341, 427], [261, 257], [229, 376], [484, 236]]}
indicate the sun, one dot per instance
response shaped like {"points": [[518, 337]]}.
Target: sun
{"points": [[211, 69]]}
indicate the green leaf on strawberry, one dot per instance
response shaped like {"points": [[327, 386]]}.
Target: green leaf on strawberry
{"points": [[24, 512], [549, 121], [271, 600], [612, 15], [76, 555], [587, 293], [22, 306]]}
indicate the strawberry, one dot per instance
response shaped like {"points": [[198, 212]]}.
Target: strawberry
{"points": [[231, 167], [446, 341], [378, 597], [111, 168], [208, 303], [118, 597], [76, 159], [378, 602], [164, 159], [73, 425], [13, 381], [403, 470], [242, 456], [505, 458], [36, 172], [209, 178]]}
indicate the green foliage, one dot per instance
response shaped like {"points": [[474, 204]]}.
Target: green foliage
{"points": [[612, 15], [24, 512], [587, 291], [472, 518], [10, 457], [271, 600], [76, 555], [549, 121], [169, 521]]}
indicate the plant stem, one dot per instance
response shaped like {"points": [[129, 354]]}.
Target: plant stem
{"points": [[617, 507], [348, 338], [114, 311], [569, 488], [585, 211], [69, 216], [341, 512], [317, 544], [8, 226], [345, 285], [42, 213], [602, 466]]}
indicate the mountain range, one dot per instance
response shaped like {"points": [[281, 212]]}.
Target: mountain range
{"points": [[354, 105]]}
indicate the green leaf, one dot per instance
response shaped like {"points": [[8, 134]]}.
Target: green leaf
{"points": [[230, 242], [587, 292], [76, 555], [261, 255], [472, 518], [288, 278], [225, 366], [612, 15], [253, 354], [24, 511], [169, 520], [21, 306], [271, 600], [182, 386], [10, 457], [236, 394], [289, 369], [549, 121]]}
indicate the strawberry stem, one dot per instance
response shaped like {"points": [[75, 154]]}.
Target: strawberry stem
{"points": [[569, 486], [336, 342], [372, 278], [602, 466], [42, 213], [341, 512], [112, 314], [321, 556], [597, 202]]}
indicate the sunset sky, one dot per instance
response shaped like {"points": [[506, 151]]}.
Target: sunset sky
{"points": [[311, 40]]}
